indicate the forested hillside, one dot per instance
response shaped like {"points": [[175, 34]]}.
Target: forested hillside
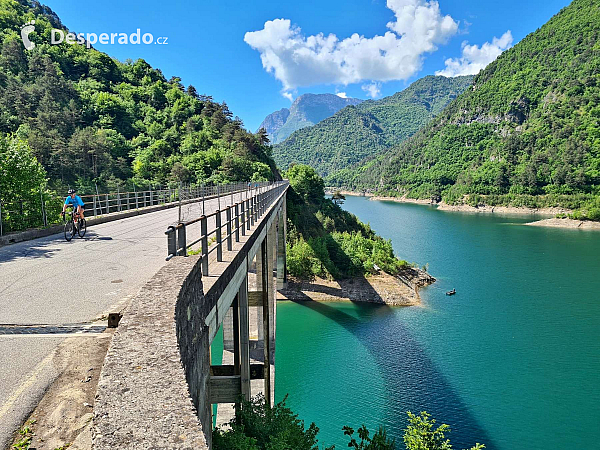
{"points": [[91, 119], [307, 110], [364, 130], [528, 130]]}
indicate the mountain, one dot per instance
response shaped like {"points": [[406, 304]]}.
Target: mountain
{"points": [[90, 119], [528, 126], [306, 110], [367, 129]]}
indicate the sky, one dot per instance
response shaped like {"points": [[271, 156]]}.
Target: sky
{"points": [[258, 56]]}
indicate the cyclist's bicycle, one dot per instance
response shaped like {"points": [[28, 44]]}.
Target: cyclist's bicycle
{"points": [[71, 228]]}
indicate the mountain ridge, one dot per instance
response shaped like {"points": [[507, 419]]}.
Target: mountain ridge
{"points": [[528, 126], [306, 110], [365, 130]]}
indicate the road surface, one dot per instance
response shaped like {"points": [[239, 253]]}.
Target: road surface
{"points": [[49, 281]]}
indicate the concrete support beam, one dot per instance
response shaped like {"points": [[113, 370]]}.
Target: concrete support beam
{"points": [[244, 312], [224, 389], [267, 280]]}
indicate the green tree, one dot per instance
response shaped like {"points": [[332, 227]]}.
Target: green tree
{"points": [[420, 434], [257, 426]]}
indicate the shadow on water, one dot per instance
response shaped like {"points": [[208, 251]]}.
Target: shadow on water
{"points": [[412, 381]]}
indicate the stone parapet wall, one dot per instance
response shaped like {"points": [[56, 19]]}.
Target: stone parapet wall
{"points": [[143, 399]]}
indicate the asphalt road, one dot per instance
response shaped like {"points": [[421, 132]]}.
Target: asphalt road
{"points": [[51, 281]]}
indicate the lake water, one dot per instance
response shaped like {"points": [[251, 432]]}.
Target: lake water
{"points": [[512, 360]]}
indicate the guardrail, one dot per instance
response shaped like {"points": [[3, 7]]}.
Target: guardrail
{"points": [[102, 204], [239, 218]]}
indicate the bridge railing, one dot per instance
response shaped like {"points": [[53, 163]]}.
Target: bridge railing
{"points": [[20, 215], [238, 220]]}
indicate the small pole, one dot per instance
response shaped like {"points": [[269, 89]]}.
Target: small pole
{"points": [[218, 199], [98, 197], [180, 201], [237, 223], [136, 197], [107, 205], [203, 190], [181, 241], [118, 199], [243, 219], [228, 228], [219, 237], [204, 237], [0, 218], [43, 209]]}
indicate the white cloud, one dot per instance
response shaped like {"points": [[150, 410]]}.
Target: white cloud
{"points": [[299, 61], [476, 58], [372, 89], [341, 94], [288, 95]]}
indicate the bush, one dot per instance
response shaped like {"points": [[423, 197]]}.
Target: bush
{"points": [[257, 426]]}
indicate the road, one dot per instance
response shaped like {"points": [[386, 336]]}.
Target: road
{"points": [[51, 281]]}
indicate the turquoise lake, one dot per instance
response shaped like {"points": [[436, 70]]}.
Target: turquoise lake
{"points": [[512, 360]]}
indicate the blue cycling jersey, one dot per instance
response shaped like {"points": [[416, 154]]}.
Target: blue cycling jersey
{"points": [[74, 201]]}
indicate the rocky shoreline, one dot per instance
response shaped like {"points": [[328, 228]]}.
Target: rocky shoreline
{"points": [[566, 223], [443, 206], [382, 288]]}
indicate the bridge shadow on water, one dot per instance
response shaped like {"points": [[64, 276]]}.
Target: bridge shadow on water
{"points": [[412, 380]]}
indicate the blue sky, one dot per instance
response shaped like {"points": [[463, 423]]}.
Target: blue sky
{"points": [[206, 44]]}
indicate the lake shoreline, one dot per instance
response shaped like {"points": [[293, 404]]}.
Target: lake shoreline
{"points": [[566, 223], [443, 206], [381, 288]]}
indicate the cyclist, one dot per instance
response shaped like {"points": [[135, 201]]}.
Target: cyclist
{"points": [[75, 200]]}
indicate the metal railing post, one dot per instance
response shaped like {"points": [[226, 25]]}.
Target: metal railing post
{"points": [[181, 240], [128, 204], [248, 215], [171, 241], [242, 221], [107, 205], [0, 218], [237, 222], [219, 237], [255, 208], [136, 197], [228, 228], [204, 240]]}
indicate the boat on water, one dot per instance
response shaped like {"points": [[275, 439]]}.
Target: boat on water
{"points": [[452, 292]]}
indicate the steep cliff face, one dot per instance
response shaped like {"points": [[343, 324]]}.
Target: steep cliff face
{"points": [[307, 110], [530, 124]]}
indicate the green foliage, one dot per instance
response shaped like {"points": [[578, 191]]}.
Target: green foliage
{"points": [[528, 126], [367, 129], [22, 179], [421, 434], [306, 183], [91, 119], [380, 441], [257, 426], [326, 241]]}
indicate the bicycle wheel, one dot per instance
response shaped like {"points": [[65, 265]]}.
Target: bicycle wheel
{"points": [[69, 230], [81, 228]]}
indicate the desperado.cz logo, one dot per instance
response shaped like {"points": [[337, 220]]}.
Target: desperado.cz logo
{"points": [[88, 39]]}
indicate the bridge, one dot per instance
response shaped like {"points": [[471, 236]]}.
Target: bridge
{"points": [[157, 384]]}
